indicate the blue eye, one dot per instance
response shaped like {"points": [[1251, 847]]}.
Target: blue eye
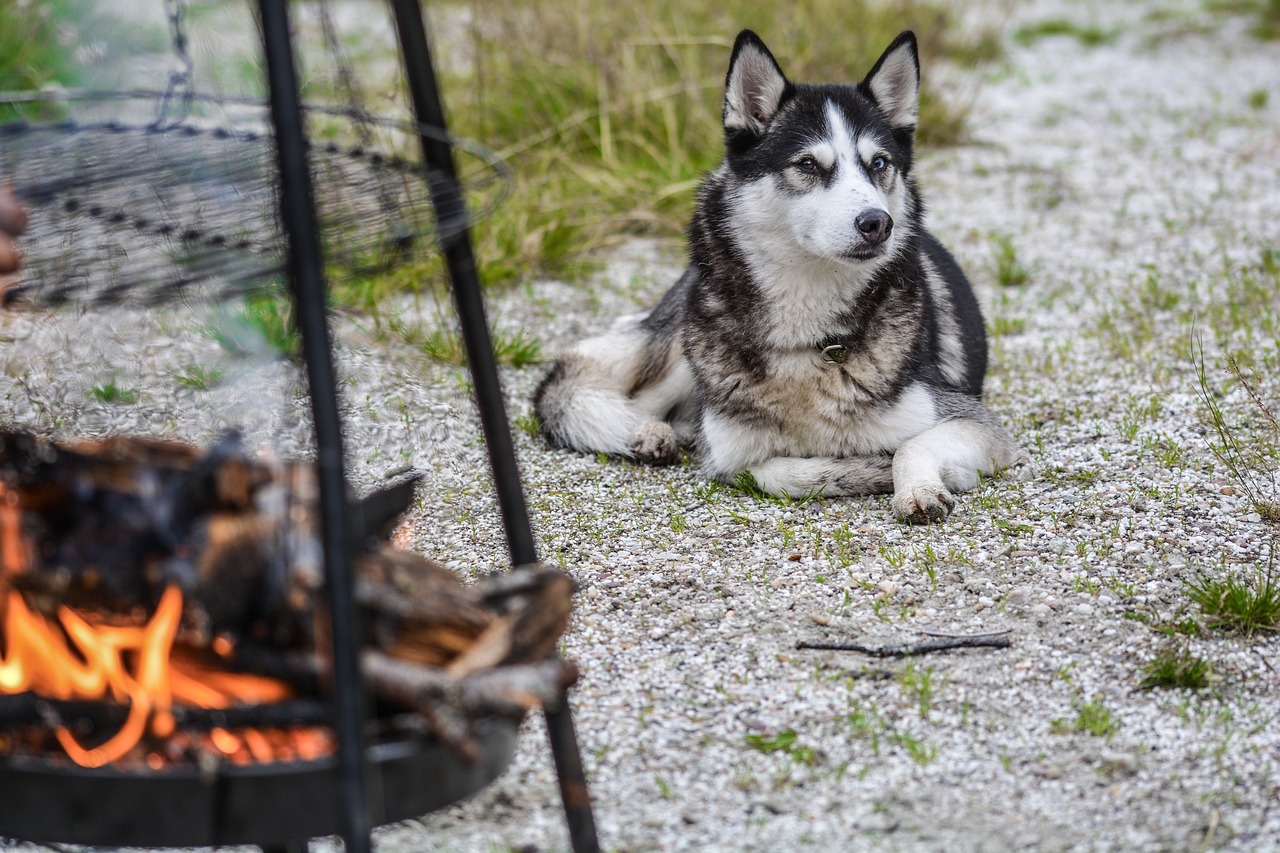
{"points": [[880, 163]]}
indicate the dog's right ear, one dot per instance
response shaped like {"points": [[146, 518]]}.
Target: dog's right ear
{"points": [[754, 87]]}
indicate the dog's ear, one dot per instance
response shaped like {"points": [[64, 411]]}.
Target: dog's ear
{"points": [[754, 87], [894, 82]]}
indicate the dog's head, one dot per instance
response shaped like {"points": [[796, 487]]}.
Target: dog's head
{"points": [[825, 168]]}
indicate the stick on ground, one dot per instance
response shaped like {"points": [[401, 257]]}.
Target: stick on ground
{"points": [[933, 644]]}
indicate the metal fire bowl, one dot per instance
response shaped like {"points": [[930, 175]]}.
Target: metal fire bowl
{"points": [[264, 805]]}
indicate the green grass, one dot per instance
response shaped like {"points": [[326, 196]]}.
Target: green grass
{"points": [[1175, 666], [1265, 15], [443, 344], [197, 377], [1239, 603], [1010, 272], [1091, 718], [918, 685], [610, 114], [261, 325], [921, 753], [1249, 446], [30, 54], [114, 393], [1088, 35], [785, 741]]}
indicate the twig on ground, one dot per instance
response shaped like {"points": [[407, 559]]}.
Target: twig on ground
{"points": [[934, 644]]}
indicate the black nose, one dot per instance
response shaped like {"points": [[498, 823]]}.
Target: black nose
{"points": [[874, 226]]}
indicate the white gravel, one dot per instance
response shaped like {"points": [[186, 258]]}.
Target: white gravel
{"points": [[1134, 180]]}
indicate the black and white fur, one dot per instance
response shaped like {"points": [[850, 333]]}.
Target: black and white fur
{"points": [[820, 339]]}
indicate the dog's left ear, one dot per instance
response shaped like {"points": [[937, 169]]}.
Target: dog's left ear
{"points": [[894, 82], [754, 87]]}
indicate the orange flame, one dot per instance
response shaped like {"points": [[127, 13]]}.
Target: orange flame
{"points": [[37, 658]]}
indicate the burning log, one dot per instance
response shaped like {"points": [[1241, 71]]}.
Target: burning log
{"points": [[166, 580]]}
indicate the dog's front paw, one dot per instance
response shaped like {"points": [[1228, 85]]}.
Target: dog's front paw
{"points": [[655, 442], [922, 503]]}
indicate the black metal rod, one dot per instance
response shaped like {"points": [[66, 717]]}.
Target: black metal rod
{"points": [[306, 267], [455, 242]]}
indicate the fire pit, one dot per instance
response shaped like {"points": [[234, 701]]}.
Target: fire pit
{"points": [[162, 629], [268, 805], [141, 705]]}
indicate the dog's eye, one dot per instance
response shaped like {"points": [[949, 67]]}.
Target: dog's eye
{"points": [[808, 165], [879, 163]]}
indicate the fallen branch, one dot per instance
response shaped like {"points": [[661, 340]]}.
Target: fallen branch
{"points": [[933, 644]]}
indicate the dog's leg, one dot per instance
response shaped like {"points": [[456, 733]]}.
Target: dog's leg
{"points": [[946, 458], [611, 394], [828, 476]]}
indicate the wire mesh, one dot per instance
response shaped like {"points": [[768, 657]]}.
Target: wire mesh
{"points": [[145, 213]]}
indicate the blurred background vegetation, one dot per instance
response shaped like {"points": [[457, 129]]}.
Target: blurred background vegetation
{"points": [[608, 113]]}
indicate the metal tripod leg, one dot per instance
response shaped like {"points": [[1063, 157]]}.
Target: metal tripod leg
{"points": [[306, 272], [455, 242]]}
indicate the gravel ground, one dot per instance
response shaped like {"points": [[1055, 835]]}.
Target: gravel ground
{"points": [[1136, 182]]}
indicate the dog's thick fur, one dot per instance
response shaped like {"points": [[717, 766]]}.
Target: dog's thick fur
{"points": [[821, 339]]}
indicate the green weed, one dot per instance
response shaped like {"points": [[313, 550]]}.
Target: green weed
{"points": [[443, 344], [1092, 718], [1010, 271], [1089, 36], [1237, 603], [919, 686], [111, 392], [1252, 460], [1176, 666], [921, 753], [529, 424], [197, 377], [785, 741]]}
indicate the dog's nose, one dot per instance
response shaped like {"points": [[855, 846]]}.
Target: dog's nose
{"points": [[874, 226]]}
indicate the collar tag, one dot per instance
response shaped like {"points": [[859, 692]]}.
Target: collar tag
{"points": [[834, 354]]}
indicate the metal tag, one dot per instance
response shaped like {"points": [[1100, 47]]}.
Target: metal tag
{"points": [[834, 354]]}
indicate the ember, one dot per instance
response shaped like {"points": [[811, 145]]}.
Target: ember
{"points": [[94, 666]]}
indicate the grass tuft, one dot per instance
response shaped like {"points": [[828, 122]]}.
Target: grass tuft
{"points": [[1091, 718], [111, 392], [1237, 603], [197, 377], [1010, 272], [785, 741], [1089, 36], [1175, 666], [1252, 460], [443, 344]]}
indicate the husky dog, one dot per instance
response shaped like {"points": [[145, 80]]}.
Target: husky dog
{"points": [[821, 339]]}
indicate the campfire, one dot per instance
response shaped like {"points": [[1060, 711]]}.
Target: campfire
{"points": [[161, 605]]}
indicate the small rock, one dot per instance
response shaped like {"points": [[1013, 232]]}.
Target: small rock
{"points": [[820, 618], [1044, 771], [887, 588], [1120, 763]]}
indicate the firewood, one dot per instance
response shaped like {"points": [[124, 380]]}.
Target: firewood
{"points": [[109, 526]]}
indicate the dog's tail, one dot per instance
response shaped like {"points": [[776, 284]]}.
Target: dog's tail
{"points": [[612, 393]]}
